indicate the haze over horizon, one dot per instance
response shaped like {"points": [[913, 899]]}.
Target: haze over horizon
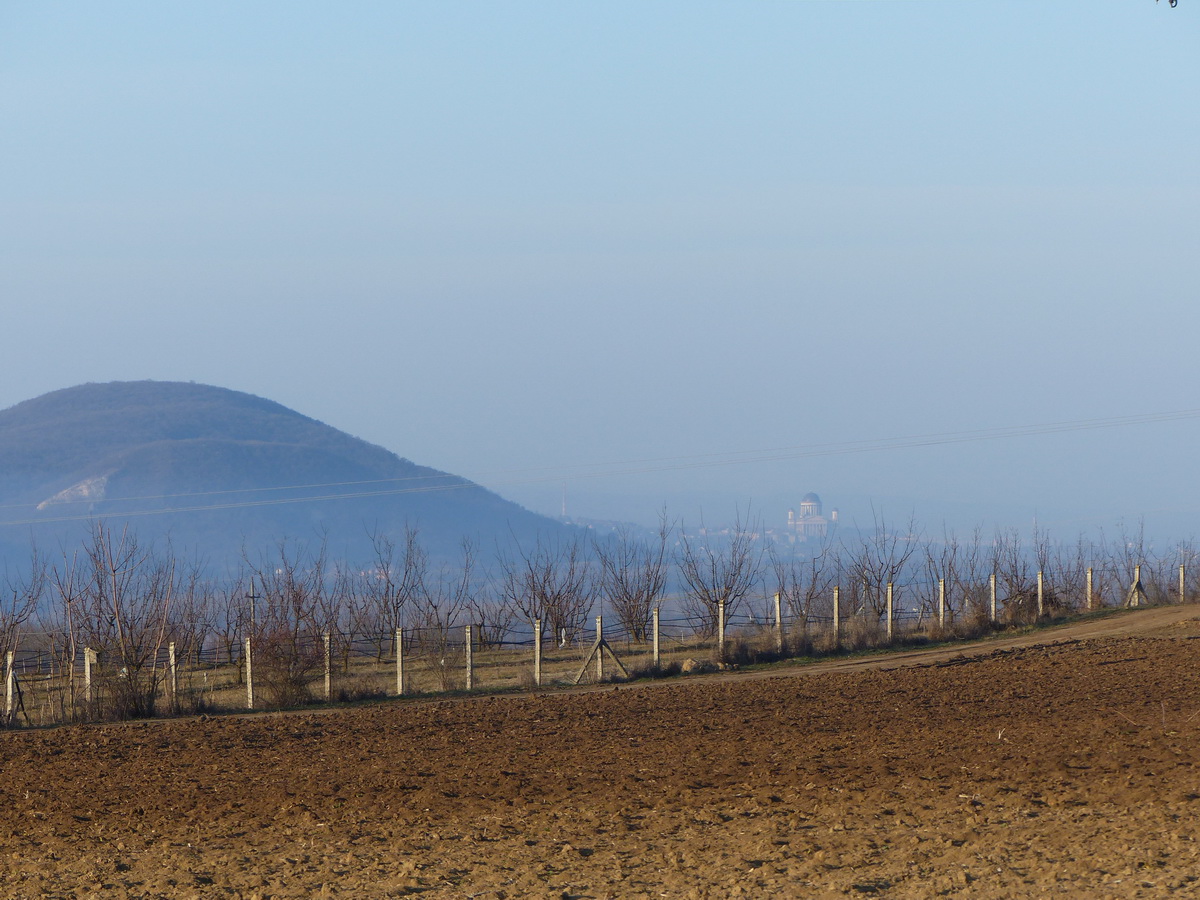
{"points": [[537, 245]]}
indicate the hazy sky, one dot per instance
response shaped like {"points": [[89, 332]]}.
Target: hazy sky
{"points": [[502, 236]]}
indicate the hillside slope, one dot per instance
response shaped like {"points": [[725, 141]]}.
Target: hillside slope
{"points": [[218, 470]]}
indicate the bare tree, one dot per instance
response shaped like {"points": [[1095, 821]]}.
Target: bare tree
{"points": [[60, 619], [881, 557], [963, 567], [19, 601], [231, 617], [490, 610], [1068, 565], [194, 614], [1017, 564], [127, 599], [286, 621], [973, 577], [439, 604], [551, 582], [1186, 554], [1060, 573], [633, 576], [340, 614], [718, 571], [396, 579], [1015, 575], [362, 618], [1157, 578], [802, 581]]}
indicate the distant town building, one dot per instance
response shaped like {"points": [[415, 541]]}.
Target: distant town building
{"points": [[809, 524]]}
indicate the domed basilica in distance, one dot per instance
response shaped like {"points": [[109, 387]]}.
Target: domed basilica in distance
{"points": [[810, 523]]}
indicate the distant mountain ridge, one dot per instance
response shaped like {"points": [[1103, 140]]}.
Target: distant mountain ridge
{"points": [[219, 470]]}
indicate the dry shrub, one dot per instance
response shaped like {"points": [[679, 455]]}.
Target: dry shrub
{"points": [[800, 645], [286, 667], [356, 690], [650, 670], [826, 643], [449, 678], [976, 623], [863, 633], [447, 668], [288, 653], [1021, 608], [743, 652], [937, 633], [857, 633], [118, 697], [195, 704]]}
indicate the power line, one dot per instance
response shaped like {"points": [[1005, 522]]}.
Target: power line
{"points": [[251, 490], [535, 475]]}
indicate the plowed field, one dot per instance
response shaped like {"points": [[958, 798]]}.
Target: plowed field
{"points": [[1024, 769]]}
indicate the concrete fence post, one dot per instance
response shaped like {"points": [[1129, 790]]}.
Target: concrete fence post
{"points": [[537, 653], [891, 630], [837, 616], [1087, 590], [941, 602], [470, 659], [992, 598], [1182, 597], [721, 630], [599, 649], [779, 641], [1136, 593], [249, 676], [10, 677], [400, 662], [87, 674], [328, 666], [173, 682], [655, 645], [1041, 595]]}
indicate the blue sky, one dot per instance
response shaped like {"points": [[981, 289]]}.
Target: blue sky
{"points": [[535, 236]]}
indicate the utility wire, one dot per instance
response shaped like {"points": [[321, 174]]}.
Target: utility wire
{"points": [[511, 477]]}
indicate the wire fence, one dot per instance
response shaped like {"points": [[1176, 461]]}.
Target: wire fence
{"points": [[48, 679]]}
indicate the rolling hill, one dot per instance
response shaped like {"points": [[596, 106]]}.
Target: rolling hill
{"points": [[216, 471]]}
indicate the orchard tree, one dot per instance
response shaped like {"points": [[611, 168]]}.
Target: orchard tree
{"points": [[287, 618], [718, 570], [551, 581], [633, 575], [126, 597]]}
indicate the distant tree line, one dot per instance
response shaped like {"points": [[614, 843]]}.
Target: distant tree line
{"points": [[128, 600]]}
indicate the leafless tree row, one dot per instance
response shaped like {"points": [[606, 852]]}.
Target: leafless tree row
{"points": [[127, 601]]}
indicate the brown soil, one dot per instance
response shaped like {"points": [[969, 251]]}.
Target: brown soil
{"points": [[1022, 768]]}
